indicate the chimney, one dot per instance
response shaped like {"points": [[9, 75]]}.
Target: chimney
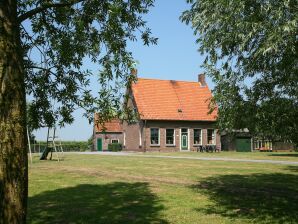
{"points": [[201, 79], [134, 72]]}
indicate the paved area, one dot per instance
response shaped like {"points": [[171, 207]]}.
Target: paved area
{"points": [[132, 154]]}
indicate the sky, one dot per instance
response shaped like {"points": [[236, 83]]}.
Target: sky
{"points": [[175, 57]]}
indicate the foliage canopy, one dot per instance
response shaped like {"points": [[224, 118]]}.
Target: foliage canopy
{"points": [[65, 34], [251, 50]]}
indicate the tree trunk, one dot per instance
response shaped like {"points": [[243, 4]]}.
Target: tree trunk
{"points": [[13, 145]]}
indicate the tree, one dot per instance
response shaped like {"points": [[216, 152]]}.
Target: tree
{"points": [[64, 33], [30, 121], [250, 49]]}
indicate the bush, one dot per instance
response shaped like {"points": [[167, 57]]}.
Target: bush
{"points": [[114, 147]]}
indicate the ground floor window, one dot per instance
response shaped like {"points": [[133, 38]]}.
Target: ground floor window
{"points": [[154, 136], [261, 144], [170, 136], [210, 137], [115, 140], [197, 136]]}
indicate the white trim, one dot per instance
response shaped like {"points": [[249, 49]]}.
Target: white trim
{"points": [[140, 137], [215, 134], [124, 138], [158, 136], [201, 137], [174, 135], [180, 139], [188, 140]]}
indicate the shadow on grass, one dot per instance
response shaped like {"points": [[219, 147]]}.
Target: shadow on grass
{"points": [[292, 168], [261, 198], [117, 202], [285, 154]]}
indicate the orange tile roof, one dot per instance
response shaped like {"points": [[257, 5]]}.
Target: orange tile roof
{"points": [[163, 99], [114, 125]]}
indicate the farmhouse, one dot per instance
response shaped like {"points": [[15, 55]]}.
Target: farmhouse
{"points": [[173, 117]]}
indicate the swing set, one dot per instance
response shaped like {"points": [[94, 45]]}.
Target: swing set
{"points": [[53, 145]]}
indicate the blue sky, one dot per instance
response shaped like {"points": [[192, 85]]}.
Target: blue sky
{"points": [[174, 57]]}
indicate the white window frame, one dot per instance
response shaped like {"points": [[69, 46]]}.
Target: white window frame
{"points": [[174, 135], [214, 139], [140, 137], [201, 137], [158, 136], [115, 139]]}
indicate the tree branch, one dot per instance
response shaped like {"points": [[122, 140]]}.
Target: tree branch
{"points": [[44, 7]]}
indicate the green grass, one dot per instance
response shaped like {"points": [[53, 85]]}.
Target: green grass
{"points": [[112, 189], [284, 156]]}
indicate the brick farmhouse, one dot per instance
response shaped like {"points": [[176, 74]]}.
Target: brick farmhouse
{"points": [[173, 117]]}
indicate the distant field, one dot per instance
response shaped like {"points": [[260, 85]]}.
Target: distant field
{"points": [[112, 189]]}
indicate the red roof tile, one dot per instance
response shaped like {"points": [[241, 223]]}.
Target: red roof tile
{"points": [[172, 100], [114, 125]]}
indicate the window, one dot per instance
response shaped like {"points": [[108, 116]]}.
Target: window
{"points": [[184, 131], [170, 136], [154, 136], [115, 140], [210, 137], [197, 136]]}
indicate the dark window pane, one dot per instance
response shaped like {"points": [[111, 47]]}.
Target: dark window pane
{"points": [[170, 136], [210, 137], [197, 136], [154, 136], [184, 130]]}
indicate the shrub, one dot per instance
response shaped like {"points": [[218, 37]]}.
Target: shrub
{"points": [[114, 147]]}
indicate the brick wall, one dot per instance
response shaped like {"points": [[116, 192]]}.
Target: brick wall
{"points": [[107, 139], [132, 135]]}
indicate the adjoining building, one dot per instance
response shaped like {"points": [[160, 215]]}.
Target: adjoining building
{"points": [[112, 132], [243, 141]]}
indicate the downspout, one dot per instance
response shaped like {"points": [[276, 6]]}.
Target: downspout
{"points": [[144, 134]]}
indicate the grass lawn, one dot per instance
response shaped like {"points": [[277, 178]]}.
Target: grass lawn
{"points": [[283, 156], [112, 189]]}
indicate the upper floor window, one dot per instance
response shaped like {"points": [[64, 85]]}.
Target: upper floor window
{"points": [[211, 137], [197, 136], [154, 136], [170, 136]]}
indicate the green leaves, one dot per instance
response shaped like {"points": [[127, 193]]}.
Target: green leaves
{"points": [[251, 54], [66, 34]]}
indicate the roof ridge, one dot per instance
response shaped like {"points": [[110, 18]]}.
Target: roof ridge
{"points": [[170, 80]]}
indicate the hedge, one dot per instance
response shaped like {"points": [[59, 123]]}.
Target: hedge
{"points": [[114, 147], [68, 146]]}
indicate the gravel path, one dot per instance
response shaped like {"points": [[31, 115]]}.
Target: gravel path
{"points": [[190, 157]]}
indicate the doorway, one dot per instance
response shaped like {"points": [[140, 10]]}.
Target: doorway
{"points": [[99, 144], [184, 139]]}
